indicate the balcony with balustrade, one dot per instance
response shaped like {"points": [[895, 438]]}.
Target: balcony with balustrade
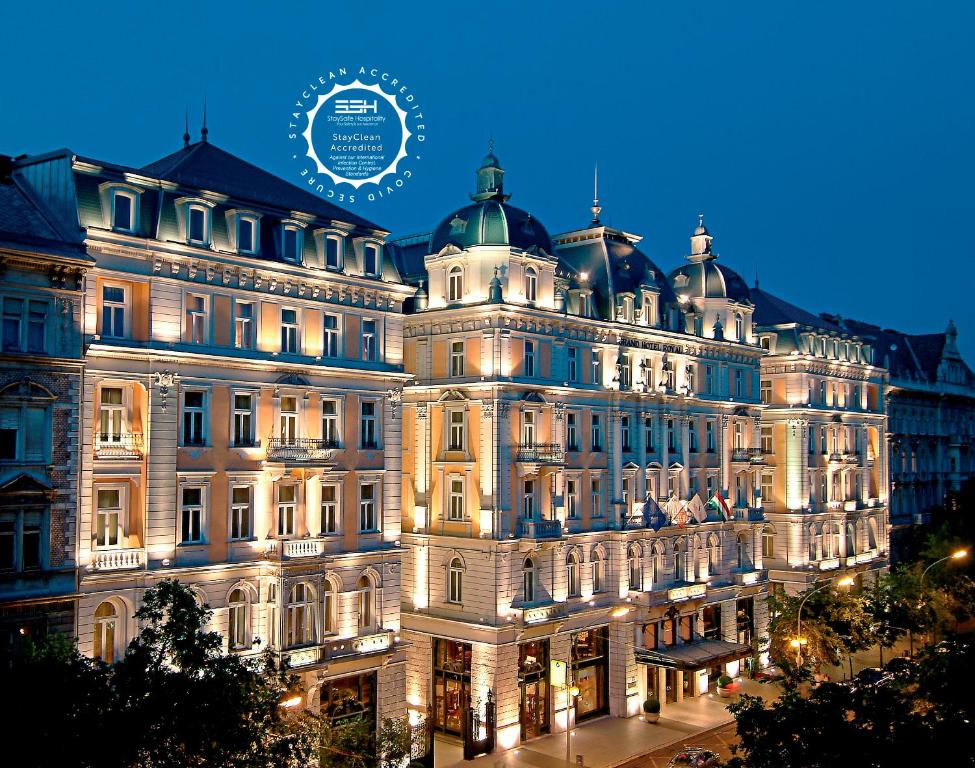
{"points": [[306, 451], [306, 547], [549, 454], [540, 529], [117, 559], [748, 456], [119, 446]]}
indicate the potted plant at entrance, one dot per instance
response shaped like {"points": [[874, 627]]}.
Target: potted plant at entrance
{"points": [[651, 709], [724, 686]]}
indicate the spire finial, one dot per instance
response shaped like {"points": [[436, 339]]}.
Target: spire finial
{"points": [[204, 131], [756, 276], [596, 209], [186, 128], [700, 219], [491, 145]]}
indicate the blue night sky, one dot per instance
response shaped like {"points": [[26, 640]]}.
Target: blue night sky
{"points": [[829, 144]]}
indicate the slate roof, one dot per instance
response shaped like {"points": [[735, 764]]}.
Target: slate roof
{"points": [[24, 224], [771, 310]]}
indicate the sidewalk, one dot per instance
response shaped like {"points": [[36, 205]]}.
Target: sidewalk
{"points": [[610, 741]]}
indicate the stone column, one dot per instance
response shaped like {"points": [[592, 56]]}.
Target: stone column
{"points": [[685, 449]]}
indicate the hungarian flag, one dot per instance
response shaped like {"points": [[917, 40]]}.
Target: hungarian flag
{"points": [[717, 501]]}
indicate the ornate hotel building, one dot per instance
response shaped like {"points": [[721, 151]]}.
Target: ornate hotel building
{"points": [[558, 383], [40, 390], [824, 427], [239, 427]]}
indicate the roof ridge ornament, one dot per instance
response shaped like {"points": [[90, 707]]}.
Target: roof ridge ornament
{"points": [[186, 128], [596, 208], [204, 131]]}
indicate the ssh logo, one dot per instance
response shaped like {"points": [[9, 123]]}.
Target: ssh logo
{"points": [[355, 106]]}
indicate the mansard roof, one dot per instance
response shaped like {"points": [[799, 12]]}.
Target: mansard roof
{"points": [[26, 225], [772, 310]]}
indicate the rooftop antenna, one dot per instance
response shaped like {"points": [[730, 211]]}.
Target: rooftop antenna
{"points": [[204, 131], [186, 128], [595, 194], [756, 275]]}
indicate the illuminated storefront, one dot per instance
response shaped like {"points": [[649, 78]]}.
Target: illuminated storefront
{"points": [[590, 672], [451, 684], [534, 687], [348, 698]]}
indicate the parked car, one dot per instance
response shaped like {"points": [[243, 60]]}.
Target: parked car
{"points": [[867, 678], [899, 664], [695, 757]]}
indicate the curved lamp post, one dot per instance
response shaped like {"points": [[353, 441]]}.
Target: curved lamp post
{"points": [[846, 581], [958, 554]]}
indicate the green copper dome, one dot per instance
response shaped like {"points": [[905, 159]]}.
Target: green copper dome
{"points": [[491, 222]]}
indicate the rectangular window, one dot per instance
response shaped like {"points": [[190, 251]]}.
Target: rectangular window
{"points": [[123, 206], [571, 432], [625, 376], [692, 436], [766, 391], [367, 508], [529, 358], [330, 423], [331, 345], [456, 358], [13, 310], [767, 441], [243, 419], [573, 353], [709, 379], [625, 432], [370, 345], [671, 436], [455, 506], [108, 517], [572, 499], [245, 235], [20, 540], [241, 525], [288, 420], [331, 510], [23, 434], [766, 487], [197, 225], [528, 499], [291, 245], [528, 427], [196, 319], [596, 488], [287, 506], [113, 311], [194, 411], [111, 416], [597, 432], [244, 325], [597, 367], [191, 516], [367, 425], [289, 331], [648, 434], [333, 253], [739, 383], [456, 431], [371, 258]]}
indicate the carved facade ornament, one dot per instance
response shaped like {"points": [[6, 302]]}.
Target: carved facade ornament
{"points": [[165, 380], [157, 265], [421, 410], [192, 269], [258, 280], [272, 283], [227, 274], [174, 268], [287, 288], [487, 411], [315, 291], [211, 272], [559, 411]]}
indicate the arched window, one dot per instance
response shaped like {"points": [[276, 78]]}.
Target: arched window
{"points": [[739, 327], [531, 284], [455, 581], [366, 602], [813, 544], [455, 283], [107, 632], [657, 565], [238, 621], [635, 568], [572, 574], [714, 553], [528, 581], [597, 571], [872, 533], [328, 608], [744, 561], [680, 565], [301, 616], [851, 540]]}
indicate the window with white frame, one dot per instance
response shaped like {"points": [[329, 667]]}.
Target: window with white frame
{"points": [[243, 433], [300, 629], [456, 358], [634, 568], [596, 489], [739, 328], [197, 225], [247, 239], [626, 376], [597, 432], [191, 510], [597, 367], [241, 513], [573, 578], [455, 581], [692, 436], [766, 486], [287, 504], [648, 434], [24, 325], [528, 499], [625, 432], [573, 363], [196, 319], [455, 502], [584, 304], [767, 440], [114, 311], [457, 438], [367, 508], [368, 427], [572, 498], [626, 495], [739, 383], [244, 335], [690, 377], [109, 517], [571, 432], [529, 358], [455, 283], [370, 340], [194, 417], [329, 599], [370, 258], [367, 599], [108, 632], [766, 391], [528, 424], [291, 243], [124, 206], [598, 571], [331, 341], [238, 620], [528, 581], [531, 284], [333, 252], [331, 433], [331, 509], [289, 331], [111, 416], [288, 420]]}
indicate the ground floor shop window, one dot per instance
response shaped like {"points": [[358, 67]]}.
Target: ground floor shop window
{"points": [[451, 684], [711, 623], [590, 672], [745, 616], [533, 684], [348, 698]]}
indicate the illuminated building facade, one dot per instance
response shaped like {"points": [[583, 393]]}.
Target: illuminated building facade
{"points": [[40, 393], [239, 421], [824, 426], [559, 382]]}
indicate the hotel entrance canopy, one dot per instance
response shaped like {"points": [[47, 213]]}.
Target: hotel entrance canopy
{"points": [[696, 655]]}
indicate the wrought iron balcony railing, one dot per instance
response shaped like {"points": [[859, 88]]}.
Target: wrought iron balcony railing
{"points": [[300, 449], [118, 445], [541, 453]]}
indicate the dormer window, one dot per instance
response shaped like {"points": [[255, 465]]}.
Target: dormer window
{"points": [[370, 258], [198, 225], [246, 234], [455, 283], [333, 252], [584, 310], [739, 327], [123, 211], [291, 241], [531, 284]]}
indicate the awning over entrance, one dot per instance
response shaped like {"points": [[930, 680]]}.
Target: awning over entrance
{"points": [[696, 655]]}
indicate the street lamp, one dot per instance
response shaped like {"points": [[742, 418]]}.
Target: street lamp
{"points": [[958, 554], [846, 581]]}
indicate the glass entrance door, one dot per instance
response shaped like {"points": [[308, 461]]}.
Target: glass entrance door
{"points": [[534, 709]]}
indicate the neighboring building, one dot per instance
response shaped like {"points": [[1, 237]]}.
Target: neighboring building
{"points": [[931, 412], [240, 419], [42, 269], [555, 389], [825, 489]]}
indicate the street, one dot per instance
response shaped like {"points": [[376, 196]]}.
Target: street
{"points": [[717, 739]]}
